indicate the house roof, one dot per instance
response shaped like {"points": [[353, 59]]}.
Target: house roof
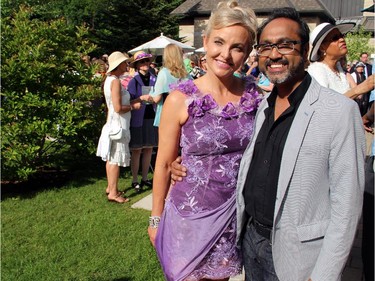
{"points": [[204, 7], [366, 22]]}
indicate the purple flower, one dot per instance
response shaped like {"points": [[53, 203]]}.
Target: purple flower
{"points": [[229, 111], [187, 87], [195, 108], [208, 103], [199, 106], [250, 101]]}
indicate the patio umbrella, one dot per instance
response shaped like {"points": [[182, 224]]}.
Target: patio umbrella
{"points": [[200, 50], [156, 46]]}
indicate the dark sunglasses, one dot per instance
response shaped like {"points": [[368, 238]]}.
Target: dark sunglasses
{"points": [[337, 37]]}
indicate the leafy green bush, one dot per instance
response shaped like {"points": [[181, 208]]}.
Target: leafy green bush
{"points": [[47, 94], [357, 43]]}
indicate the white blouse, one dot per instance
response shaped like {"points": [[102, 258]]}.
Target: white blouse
{"points": [[327, 78]]}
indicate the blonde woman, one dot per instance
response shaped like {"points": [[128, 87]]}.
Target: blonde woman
{"points": [[173, 71], [193, 224]]}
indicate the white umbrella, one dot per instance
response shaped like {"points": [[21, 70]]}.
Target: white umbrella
{"points": [[156, 46], [200, 50]]}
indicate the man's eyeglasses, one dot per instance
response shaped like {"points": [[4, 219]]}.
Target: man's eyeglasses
{"points": [[283, 48], [337, 37]]}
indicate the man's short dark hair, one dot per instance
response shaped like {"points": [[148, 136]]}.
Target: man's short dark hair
{"points": [[289, 13]]}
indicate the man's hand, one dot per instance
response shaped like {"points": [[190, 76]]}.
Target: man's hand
{"points": [[177, 170], [368, 119]]}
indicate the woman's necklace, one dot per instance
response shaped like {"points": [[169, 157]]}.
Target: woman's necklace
{"points": [[335, 71]]}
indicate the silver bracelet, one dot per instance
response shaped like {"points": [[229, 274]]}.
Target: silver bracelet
{"points": [[154, 221]]}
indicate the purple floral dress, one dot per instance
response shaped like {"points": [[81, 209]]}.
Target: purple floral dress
{"points": [[196, 235]]}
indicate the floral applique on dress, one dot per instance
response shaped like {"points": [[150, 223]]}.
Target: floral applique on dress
{"points": [[196, 236]]}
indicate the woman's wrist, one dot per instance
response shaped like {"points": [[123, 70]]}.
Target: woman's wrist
{"points": [[154, 221]]}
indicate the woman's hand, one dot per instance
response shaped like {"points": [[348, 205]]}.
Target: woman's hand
{"points": [[146, 98], [136, 105], [152, 234]]}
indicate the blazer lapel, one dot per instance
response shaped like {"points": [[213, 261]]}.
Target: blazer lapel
{"points": [[293, 143]]}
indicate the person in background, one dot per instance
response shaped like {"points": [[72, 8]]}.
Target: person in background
{"points": [[359, 77], [252, 63], [143, 133], [328, 48], [195, 71], [100, 69], [301, 178], [173, 70], [154, 68], [203, 63], [116, 152], [363, 57], [104, 58], [349, 77], [240, 72], [187, 63], [127, 76], [193, 225], [368, 202], [372, 93], [264, 83]]}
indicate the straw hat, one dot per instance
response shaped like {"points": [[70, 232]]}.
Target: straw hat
{"points": [[140, 55], [320, 32], [115, 59]]}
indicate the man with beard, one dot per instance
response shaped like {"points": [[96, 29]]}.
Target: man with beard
{"points": [[301, 180]]}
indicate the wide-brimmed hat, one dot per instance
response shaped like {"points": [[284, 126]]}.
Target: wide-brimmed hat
{"points": [[321, 31], [115, 59], [140, 55]]}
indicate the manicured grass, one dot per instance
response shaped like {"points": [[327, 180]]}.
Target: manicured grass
{"points": [[72, 232]]}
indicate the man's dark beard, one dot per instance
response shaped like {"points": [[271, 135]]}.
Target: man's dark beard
{"points": [[291, 74]]}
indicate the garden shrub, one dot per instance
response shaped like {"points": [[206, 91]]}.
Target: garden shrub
{"points": [[47, 95]]}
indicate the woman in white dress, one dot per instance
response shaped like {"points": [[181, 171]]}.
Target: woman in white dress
{"points": [[116, 152], [328, 48]]}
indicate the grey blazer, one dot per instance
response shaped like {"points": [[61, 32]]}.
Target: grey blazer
{"points": [[319, 193]]}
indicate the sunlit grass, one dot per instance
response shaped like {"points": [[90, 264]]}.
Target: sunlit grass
{"points": [[73, 233]]}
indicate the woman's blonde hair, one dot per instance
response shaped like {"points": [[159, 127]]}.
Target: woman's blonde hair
{"points": [[173, 60], [230, 13]]}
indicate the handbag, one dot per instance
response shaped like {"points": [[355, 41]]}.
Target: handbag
{"points": [[116, 132]]}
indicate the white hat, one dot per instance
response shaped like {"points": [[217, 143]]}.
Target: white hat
{"points": [[321, 31], [360, 64], [115, 59]]}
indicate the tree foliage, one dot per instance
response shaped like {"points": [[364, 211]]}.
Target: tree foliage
{"points": [[47, 90], [357, 43], [47, 93], [114, 25]]}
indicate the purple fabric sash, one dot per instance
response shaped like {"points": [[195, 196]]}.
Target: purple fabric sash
{"points": [[183, 240]]}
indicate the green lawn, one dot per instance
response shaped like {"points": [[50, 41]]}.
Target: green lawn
{"points": [[71, 232]]}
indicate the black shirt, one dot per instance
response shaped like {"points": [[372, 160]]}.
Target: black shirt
{"points": [[263, 175]]}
